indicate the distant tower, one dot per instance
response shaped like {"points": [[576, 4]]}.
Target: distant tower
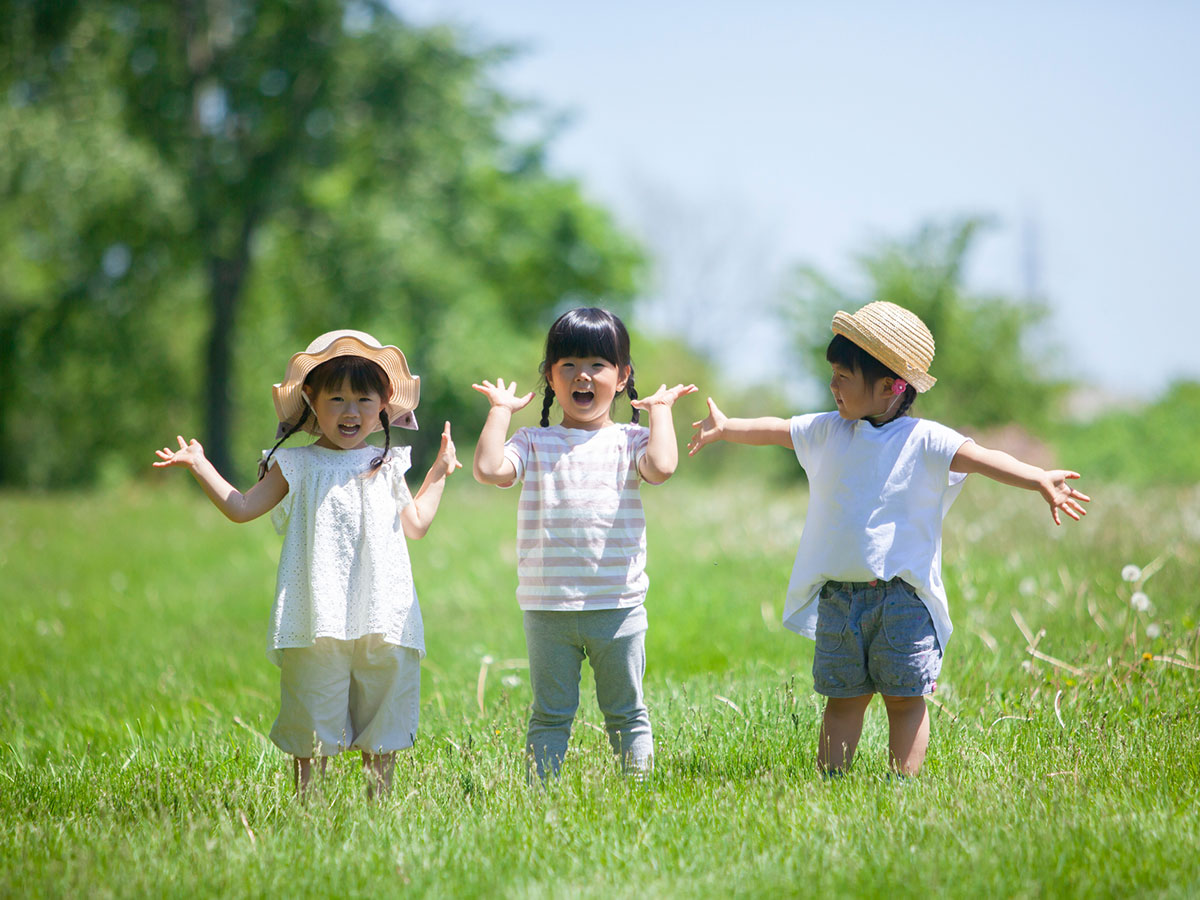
{"points": [[1031, 258]]}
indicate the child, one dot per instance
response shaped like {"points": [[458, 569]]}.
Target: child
{"points": [[581, 534], [867, 582], [345, 628]]}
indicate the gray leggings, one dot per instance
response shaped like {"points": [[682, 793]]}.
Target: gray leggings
{"points": [[614, 641]]}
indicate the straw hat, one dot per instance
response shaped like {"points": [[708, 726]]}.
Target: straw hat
{"points": [[894, 336], [405, 387]]}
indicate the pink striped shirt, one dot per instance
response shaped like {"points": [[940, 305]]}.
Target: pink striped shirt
{"points": [[581, 532]]}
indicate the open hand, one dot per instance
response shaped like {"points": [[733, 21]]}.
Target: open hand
{"points": [[707, 430], [502, 395], [189, 454], [1061, 495], [664, 396], [446, 453]]}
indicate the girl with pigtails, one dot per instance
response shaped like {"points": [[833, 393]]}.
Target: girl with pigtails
{"points": [[346, 629], [581, 531]]}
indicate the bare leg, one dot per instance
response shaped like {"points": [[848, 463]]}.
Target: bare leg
{"points": [[302, 772], [908, 733], [841, 727], [379, 771]]}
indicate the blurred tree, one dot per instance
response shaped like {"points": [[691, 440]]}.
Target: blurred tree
{"points": [[1147, 445], [297, 165], [991, 362]]}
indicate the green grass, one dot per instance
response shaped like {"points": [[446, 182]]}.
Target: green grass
{"points": [[135, 696]]}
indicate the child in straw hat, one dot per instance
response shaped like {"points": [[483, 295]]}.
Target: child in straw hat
{"points": [[867, 582], [346, 628]]}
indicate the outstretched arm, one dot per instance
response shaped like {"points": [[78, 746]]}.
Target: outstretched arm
{"points": [[761, 432], [1007, 469], [490, 465], [236, 506], [418, 515], [662, 453]]}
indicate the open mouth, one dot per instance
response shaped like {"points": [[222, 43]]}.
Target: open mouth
{"points": [[583, 398], [349, 430]]}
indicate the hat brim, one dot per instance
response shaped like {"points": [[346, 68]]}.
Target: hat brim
{"points": [[405, 387], [853, 330]]}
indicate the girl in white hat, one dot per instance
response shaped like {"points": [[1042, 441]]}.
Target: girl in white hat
{"points": [[346, 627], [867, 581], [581, 530]]}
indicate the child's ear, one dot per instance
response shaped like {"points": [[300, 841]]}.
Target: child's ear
{"points": [[625, 373], [306, 393]]}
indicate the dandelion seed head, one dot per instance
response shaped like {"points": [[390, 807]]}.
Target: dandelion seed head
{"points": [[1131, 573], [1153, 630], [1028, 586], [510, 681], [1139, 601]]}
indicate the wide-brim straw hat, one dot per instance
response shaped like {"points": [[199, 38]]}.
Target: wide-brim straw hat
{"points": [[405, 387], [894, 336]]}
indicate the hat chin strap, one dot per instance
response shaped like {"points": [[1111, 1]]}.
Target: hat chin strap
{"points": [[888, 411]]}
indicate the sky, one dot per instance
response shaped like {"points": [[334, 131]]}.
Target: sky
{"points": [[738, 141]]}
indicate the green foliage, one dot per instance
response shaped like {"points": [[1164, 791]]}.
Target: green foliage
{"points": [[991, 361], [191, 194], [1153, 445], [135, 699]]}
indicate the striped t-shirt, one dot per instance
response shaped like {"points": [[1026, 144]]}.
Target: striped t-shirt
{"points": [[581, 532]]}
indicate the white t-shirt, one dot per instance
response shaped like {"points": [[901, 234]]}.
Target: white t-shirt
{"points": [[344, 570], [877, 498], [581, 531]]}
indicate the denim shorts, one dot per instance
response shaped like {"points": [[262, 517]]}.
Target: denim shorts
{"points": [[874, 637]]}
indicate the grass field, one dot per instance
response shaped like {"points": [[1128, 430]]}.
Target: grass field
{"points": [[135, 698]]}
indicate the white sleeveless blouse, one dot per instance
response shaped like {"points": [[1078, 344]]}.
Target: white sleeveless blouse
{"points": [[344, 569]]}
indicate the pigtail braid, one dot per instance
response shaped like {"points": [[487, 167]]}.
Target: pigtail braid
{"points": [[546, 404], [264, 464], [910, 394], [378, 461], [633, 395]]}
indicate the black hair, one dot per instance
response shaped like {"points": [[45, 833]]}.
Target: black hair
{"points": [[845, 353], [582, 332], [365, 377]]}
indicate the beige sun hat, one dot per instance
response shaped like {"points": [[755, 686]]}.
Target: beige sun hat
{"points": [[894, 336], [405, 387]]}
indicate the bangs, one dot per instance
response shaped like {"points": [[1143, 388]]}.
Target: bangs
{"points": [[365, 376], [586, 332], [845, 353]]}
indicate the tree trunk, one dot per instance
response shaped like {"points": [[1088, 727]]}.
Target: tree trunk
{"points": [[9, 328], [226, 278]]}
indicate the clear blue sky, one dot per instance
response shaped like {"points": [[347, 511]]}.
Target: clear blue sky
{"points": [[740, 139]]}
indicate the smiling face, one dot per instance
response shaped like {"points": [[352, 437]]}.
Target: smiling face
{"points": [[345, 416], [585, 387], [856, 399]]}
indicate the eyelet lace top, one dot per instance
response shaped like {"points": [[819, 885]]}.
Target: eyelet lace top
{"points": [[344, 570]]}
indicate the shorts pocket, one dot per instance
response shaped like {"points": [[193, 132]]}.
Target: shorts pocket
{"points": [[907, 624], [833, 614]]}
